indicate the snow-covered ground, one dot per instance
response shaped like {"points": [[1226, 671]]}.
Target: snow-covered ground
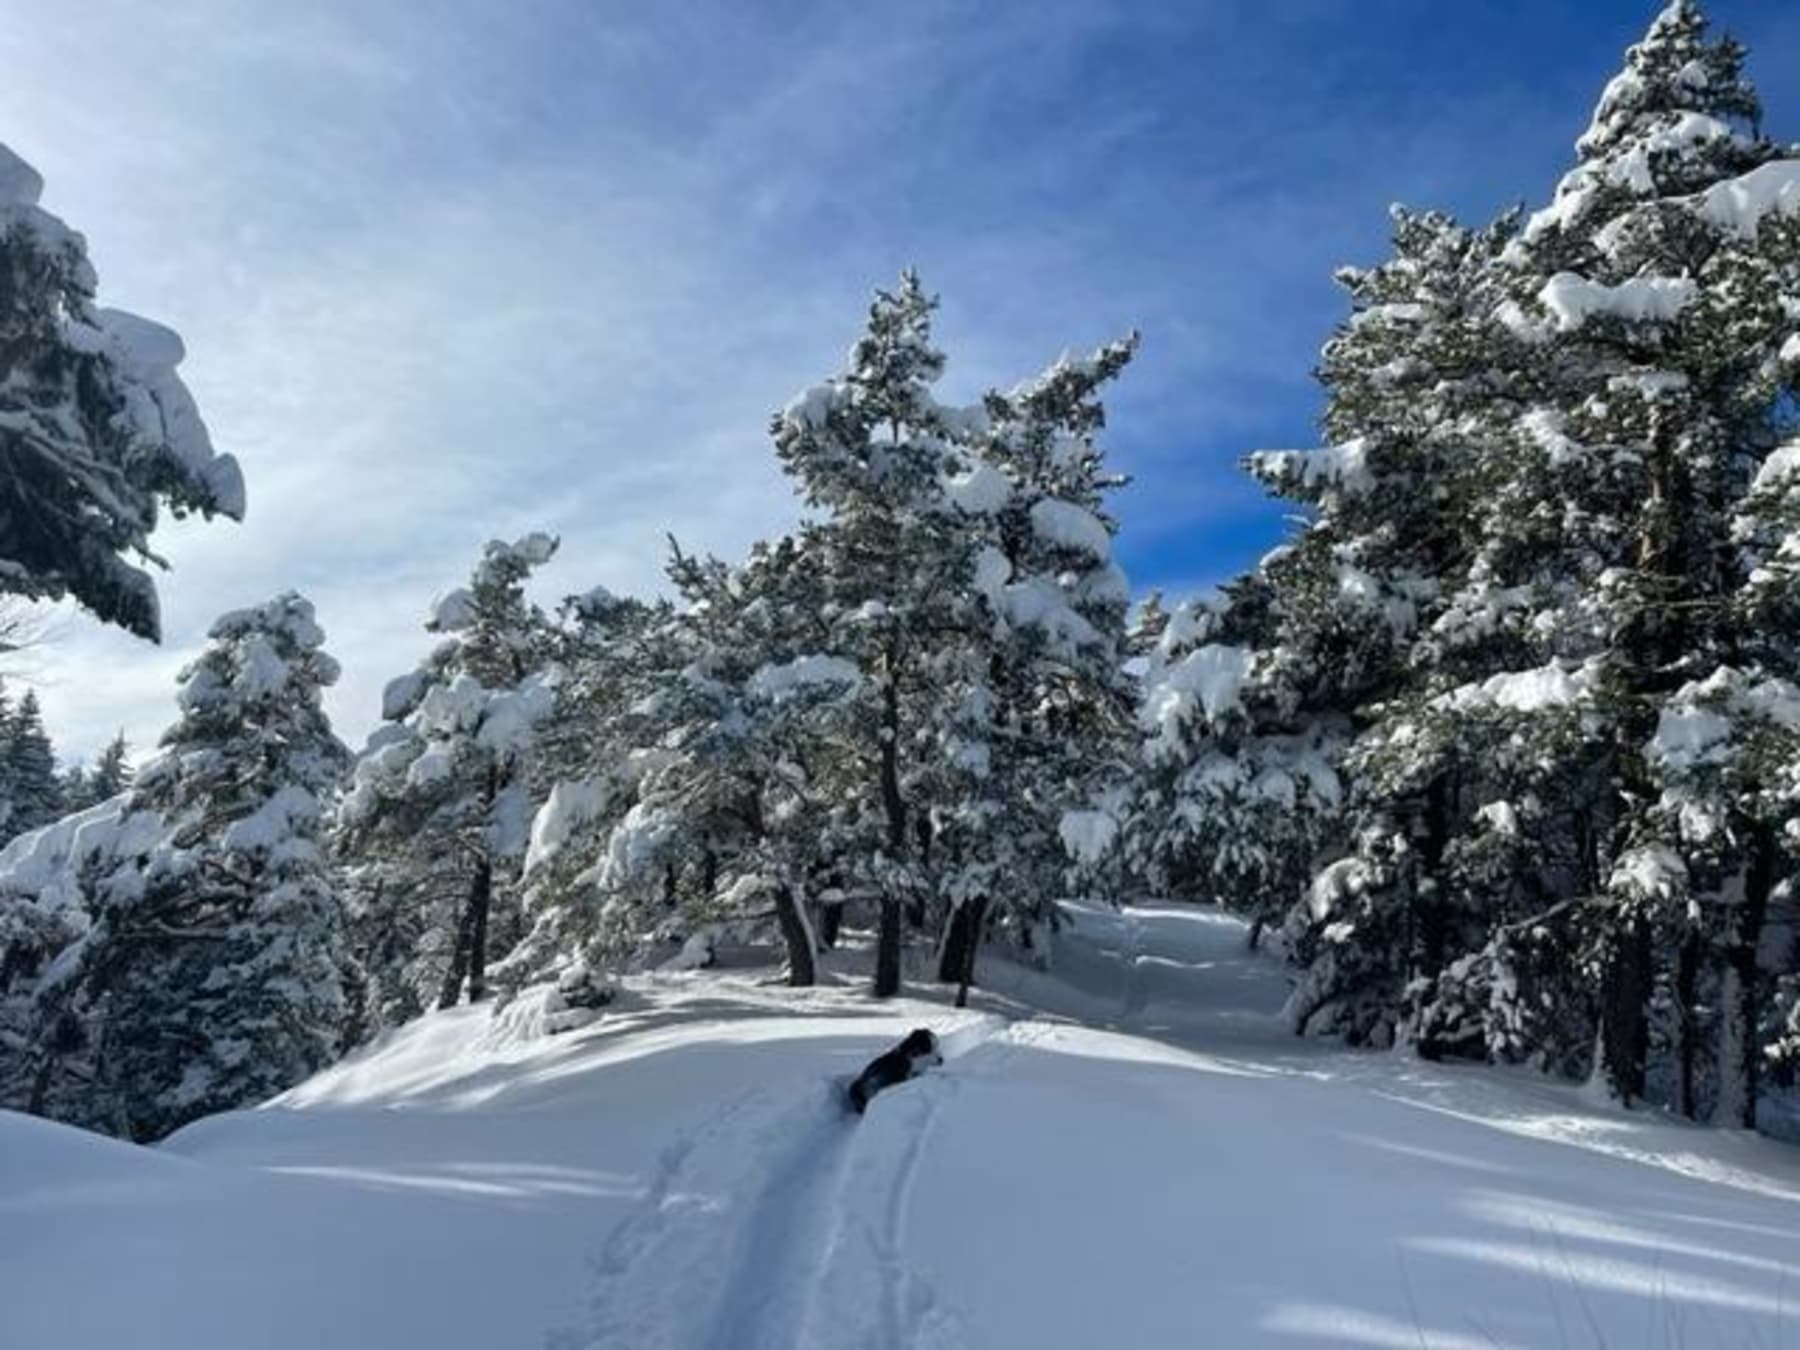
{"points": [[1131, 1152]]}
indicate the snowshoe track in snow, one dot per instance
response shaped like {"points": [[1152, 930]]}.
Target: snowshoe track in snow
{"points": [[675, 1214], [780, 1224], [904, 1313], [769, 1290]]}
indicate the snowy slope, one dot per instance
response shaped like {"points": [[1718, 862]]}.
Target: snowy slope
{"points": [[1129, 1153]]}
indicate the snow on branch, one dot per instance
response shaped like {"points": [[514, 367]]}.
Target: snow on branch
{"points": [[779, 681], [1738, 206], [1344, 468], [1209, 678], [1559, 684], [1067, 525], [1573, 300]]}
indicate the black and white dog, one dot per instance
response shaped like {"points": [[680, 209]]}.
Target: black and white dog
{"points": [[906, 1060]]}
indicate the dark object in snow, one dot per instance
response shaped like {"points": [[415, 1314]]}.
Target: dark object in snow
{"points": [[906, 1060]]}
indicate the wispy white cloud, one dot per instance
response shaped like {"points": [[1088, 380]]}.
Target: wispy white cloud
{"points": [[425, 306]]}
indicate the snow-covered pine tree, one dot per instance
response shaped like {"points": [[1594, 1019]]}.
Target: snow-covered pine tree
{"points": [[870, 450], [1653, 289], [438, 812], [44, 910], [743, 739], [615, 655], [1519, 831], [215, 969], [1036, 751], [1423, 382], [32, 782], [111, 773], [96, 427]]}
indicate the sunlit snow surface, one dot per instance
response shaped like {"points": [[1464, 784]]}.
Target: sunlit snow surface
{"points": [[1131, 1152]]}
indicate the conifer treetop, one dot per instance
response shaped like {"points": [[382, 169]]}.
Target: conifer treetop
{"points": [[871, 438], [1671, 79], [267, 653], [1679, 124]]}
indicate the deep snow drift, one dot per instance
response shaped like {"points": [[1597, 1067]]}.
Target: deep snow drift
{"points": [[1129, 1152]]}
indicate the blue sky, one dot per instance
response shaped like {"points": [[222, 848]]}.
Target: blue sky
{"points": [[452, 269]]}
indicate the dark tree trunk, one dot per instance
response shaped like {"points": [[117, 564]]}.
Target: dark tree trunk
{"points": [[887, 950], [1433, 926], [1740, 1015], [481, 902], [469, 957], [1254, 941], [1587, 853], [797, 937], [1624, 1025], [459, 958], [956, 938], [962, 945], [709, 873], [1687, 994], [887, 944], [956, 963], [831, 918]]}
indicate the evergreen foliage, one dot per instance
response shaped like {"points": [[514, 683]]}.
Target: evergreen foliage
{"points": [[213, 970], [1506, 731], [438, 811], [1503, 742], [892, 710], [33, 785], [96, 428]]}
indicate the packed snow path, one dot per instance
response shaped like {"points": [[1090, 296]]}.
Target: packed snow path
{"points": [[817, 1256], [1130, 1152]]}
